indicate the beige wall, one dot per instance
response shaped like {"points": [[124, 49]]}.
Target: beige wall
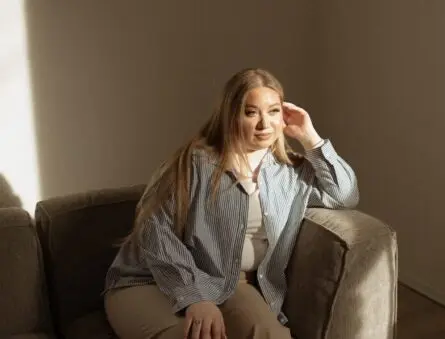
{"points": [[378, 90], [118, 87]]}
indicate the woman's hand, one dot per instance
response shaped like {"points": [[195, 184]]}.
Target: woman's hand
{"points": [[204, 320], [299, 126]]}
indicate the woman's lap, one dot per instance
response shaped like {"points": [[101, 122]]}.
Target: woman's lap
{"points": [[145, 312], [142, 312]]}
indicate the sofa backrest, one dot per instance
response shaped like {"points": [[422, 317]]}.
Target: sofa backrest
{"points": [[23, 298], [78, 233]]}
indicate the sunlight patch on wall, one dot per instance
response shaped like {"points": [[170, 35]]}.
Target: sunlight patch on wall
{"points": [[18, 159]]}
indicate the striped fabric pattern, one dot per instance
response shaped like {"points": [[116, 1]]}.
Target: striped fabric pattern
{"points": [[205, 265]]}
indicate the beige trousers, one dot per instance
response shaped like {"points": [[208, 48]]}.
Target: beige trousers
{"points": [[144, 312]]}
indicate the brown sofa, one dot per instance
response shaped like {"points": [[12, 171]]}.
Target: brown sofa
{"points": [[342, 276]]}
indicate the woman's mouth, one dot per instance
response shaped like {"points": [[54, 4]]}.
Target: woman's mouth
{"points": [[263, 136]]}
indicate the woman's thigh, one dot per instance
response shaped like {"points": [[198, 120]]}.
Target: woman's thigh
{"points": [[246, 315], [142, 312]]}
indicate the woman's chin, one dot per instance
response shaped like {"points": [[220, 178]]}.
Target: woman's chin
{"points": [[259, 145]]}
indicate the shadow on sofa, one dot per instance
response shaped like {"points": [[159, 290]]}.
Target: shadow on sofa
{"points": [[342, 276]]}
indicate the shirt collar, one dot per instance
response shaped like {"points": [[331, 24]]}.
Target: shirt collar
{"points": [[268, 159]]}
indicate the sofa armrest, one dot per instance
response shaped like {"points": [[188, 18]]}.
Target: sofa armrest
{"points": [[342, 277], [23, 296], [78, 233]]}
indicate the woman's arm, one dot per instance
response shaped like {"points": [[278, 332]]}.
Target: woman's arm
{"points": [[169, 260], [334, 184]]}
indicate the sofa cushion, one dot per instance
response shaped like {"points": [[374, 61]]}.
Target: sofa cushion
{"points": [[23, 295], [92, 325], [37, 335], [314, 273], [24, 307], [77, 233]]}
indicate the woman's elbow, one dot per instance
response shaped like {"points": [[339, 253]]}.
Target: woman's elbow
{"points": [[350, 199]]}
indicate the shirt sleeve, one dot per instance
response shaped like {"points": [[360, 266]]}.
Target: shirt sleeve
{"points": [[335, 184], [169, 260]]}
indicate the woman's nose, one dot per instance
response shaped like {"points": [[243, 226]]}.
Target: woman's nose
{"points": [[264, 122]]}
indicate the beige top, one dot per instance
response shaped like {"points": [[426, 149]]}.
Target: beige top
{"points": [[255, 242]]}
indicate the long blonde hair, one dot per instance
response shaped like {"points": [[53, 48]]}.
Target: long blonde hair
{"points": [[221, 136]]}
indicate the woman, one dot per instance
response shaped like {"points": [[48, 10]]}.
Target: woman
{"points": [[216, 227]]}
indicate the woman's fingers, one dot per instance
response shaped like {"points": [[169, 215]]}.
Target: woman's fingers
{"points": [[218, 330], [223, 329], [291, 110], [288, 106], [196, 329], [187, 327], [203, 320], [206, 328]]}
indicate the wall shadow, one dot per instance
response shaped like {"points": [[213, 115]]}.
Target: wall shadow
{"points": [[117, 88], [7, 196]]}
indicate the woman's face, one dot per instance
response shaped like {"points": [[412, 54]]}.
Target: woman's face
{"points": [[262, 120]]}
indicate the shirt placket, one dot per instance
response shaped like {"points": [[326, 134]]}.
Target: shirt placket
{"points": [[262, 268]]}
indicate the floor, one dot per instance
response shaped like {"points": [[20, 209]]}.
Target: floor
{"points": [[418, 316]]}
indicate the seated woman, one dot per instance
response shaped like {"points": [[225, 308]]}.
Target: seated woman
{"points": [[216, 227]]}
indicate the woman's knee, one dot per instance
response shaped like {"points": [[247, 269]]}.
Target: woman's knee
{"points": [[247, 315]]}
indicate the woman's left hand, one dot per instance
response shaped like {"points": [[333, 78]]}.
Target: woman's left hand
{"points": [[299, 125]]}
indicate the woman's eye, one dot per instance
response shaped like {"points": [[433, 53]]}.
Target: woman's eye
{"points": [[250, 113], [275, 111]]}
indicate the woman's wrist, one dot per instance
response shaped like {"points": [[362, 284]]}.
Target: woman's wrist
{"points": [[312, 141]]}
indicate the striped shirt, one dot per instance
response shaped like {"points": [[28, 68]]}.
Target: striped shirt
{"points": [[205, 265]]}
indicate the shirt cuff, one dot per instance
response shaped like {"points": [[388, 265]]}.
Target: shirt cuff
{"points": [[324, 152], [185, 296], [318, 144]]}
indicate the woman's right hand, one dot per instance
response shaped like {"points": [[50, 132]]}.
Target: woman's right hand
{"points": [[204, 320]]}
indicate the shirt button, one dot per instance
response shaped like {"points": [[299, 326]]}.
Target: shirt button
{"points": [[181, 298], [261, 276], [266, 214]]}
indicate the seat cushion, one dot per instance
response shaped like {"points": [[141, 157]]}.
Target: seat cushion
{"points": [[37, 335], [92, 325], [78, 233]]}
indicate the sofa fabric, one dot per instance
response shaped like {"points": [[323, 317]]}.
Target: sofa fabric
{"points": [[24, 309], [93, 325], [77, 234], [343, 277], [36, 335]]}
